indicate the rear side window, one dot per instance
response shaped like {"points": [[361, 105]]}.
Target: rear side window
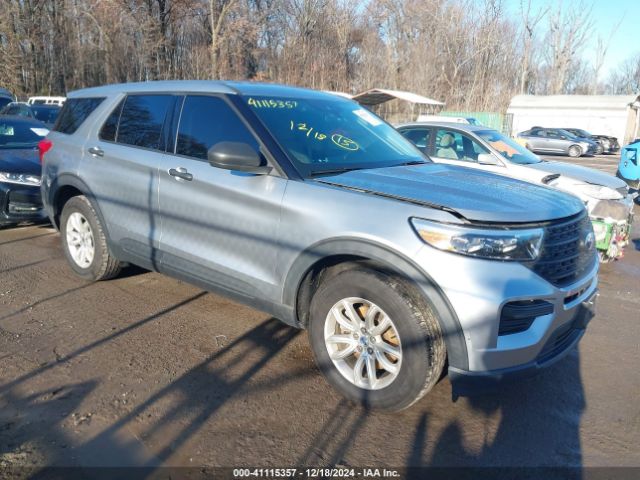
{"points": [[110, 126], [142, 119], [74, 112], [206, 121]]}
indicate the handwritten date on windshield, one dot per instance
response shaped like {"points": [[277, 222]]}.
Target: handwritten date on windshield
{"points": [[337, 139]]}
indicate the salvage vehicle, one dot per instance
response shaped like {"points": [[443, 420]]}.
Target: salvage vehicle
{"points": [[556, 141], [608, 144], [307, 206], [607, 198], [20, 168]]}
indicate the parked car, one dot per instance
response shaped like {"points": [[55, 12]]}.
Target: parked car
{"points": [[608, 144], [44, 100], [584, 135], [47, 114], [309, 207], [608, 201], [20, 199], [19, 109], [556, 141], [5, 97]]}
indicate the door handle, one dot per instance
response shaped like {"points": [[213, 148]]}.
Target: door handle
{"points": [[182, 173], [96, 152]]}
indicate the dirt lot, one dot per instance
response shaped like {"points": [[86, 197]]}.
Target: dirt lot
{"points": [[145, 370]]}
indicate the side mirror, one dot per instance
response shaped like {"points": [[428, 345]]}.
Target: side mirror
{"points": [[488, 159], [563, 137], [237, 156]]}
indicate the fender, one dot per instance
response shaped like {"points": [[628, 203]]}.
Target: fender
{"points": [[453, 334]]}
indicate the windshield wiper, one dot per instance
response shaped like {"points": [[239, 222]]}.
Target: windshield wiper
{"points": [[412, 162], [315, 173]]}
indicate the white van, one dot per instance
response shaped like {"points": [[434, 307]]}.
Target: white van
{"points": [[445, 118], [46, 101]]}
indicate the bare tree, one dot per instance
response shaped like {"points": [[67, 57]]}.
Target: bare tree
{"points": [[568, 32]]}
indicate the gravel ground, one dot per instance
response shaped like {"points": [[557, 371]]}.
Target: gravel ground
{"points": [[146, 370]]}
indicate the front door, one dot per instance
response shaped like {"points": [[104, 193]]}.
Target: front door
{"points": [[219, 227]]}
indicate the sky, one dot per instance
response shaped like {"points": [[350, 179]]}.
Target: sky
{"points": [[606, 14]]}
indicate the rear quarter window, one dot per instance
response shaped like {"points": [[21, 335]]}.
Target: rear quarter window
{"points": [[75, 112], [142, 119]]}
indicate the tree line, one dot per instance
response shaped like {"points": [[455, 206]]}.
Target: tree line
{"points": [[471, 54]]}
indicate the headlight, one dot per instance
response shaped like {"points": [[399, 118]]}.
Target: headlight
{"points": [[600, 192], [585, 145], [517, 244], [20, 178]]}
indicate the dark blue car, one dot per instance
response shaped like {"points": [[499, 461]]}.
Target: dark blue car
{"points": [[20, 170]]}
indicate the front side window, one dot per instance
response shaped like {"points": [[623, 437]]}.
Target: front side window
{"points": [[142, 119], [453, 145], [206, 121], [74, 113], [321, 134], [418, 136], [508, 148]]}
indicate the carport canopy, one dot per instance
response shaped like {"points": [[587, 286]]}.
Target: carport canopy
{"points": [[377, 96]]}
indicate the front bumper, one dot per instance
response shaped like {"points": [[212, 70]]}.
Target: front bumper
{"points": [[20, 203], [477, 291], [560, 343]]}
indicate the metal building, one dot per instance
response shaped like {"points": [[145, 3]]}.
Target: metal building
{"points": [[614, 115]]}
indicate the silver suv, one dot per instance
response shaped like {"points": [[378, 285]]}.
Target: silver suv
{"points": [[309, 207]]}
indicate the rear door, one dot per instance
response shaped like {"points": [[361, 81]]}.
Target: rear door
{"points": [[219, 227], [121, 165]]}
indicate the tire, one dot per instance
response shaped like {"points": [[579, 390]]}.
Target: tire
{"points": [[80, 225], [574, 151], [415, 332]]}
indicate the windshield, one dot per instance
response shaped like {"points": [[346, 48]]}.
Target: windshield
{"points": [[20, 134], [580, 133], [508, 148], [568, 134], [325, 135], [46, 114]]}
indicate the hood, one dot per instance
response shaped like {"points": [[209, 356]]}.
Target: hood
{"points": [[20, 160], [580, 173], [476, 195]]}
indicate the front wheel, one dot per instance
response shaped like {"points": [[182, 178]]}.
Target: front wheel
{"points": [[84, 241], [377, 341], [575, 151]]}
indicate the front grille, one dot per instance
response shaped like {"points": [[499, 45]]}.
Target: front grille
{"points": [[564, 258]]}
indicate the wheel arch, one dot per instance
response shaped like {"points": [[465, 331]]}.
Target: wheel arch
{"points": [[330, 257], [66, 187]]}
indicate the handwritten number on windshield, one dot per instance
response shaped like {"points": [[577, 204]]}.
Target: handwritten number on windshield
{"points": [[337, 139]]}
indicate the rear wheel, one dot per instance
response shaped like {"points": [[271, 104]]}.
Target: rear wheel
{"points": [[84, 241], [575, 151], [377, 341]]}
